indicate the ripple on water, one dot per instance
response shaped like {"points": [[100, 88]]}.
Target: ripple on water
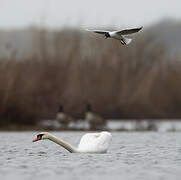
{"points": [[130, 156]]}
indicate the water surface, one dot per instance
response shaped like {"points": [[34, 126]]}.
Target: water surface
{"points": [[131, 156]]}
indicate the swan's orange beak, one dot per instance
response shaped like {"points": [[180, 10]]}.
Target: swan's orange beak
{"points": [[36, 139]]}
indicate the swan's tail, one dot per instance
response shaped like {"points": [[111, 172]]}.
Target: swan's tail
{"points": [[126, 41]]}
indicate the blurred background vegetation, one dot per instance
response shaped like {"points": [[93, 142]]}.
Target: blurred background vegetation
{"points": [[42, 68]]}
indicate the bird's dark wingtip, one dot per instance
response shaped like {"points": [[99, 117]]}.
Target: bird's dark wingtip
{"points": [[141, 28]]}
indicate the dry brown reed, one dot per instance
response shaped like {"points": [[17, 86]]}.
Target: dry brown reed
{"points": [[74, 68]]}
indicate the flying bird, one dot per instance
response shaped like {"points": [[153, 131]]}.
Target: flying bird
{"points": [[119, 35]]}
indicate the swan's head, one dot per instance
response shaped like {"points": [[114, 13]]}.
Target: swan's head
{"points": [[41, 136]]}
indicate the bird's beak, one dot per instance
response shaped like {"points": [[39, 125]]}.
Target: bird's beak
{"points": [[36, 139]]}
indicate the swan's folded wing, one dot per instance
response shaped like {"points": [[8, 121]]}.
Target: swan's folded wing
{"points": [[128, 31], [98, 31], [88, 140], [95, 142]]}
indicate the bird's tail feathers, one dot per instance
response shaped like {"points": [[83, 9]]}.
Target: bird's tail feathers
{"points": [[127, 40]]}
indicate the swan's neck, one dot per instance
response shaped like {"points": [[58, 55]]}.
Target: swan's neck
{"points": [[62, 143]]}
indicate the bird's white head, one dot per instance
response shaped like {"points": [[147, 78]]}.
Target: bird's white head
{"points": [[42, 136]]}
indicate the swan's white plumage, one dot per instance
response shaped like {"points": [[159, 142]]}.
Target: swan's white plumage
{"points": [[89, 143], [95, 142]]}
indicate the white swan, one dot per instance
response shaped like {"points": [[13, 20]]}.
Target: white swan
{"points": [[119, 35], [89, 143]]}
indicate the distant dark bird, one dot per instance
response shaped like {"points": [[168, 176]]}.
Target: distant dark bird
{"points": [[118, 35], [62, 117], [95, 121]]}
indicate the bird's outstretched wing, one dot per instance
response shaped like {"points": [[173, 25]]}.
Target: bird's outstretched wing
{"points": [[98, 31], [128, 31]]}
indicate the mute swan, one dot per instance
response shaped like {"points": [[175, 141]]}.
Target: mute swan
{"points": [[89, 143], [119, 35]]}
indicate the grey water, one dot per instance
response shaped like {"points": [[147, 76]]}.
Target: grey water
{"points": [[132, 155]]}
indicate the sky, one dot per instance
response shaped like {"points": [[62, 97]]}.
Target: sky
{"points": [[86, 13]]}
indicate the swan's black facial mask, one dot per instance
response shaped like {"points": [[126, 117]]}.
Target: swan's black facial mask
{"points": [[39, 137]]}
